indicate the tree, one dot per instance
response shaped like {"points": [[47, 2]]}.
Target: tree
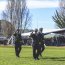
{"points": [[6, 28], [17, 13], [26, 20], [59, 17]]}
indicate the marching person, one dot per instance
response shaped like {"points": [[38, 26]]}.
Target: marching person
{"points": [[18, 42], [41, 41], [35, 44]]}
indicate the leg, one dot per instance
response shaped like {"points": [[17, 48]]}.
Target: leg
{"points": [[42, 48], [39, 49], [16, 50], [34, 52], [38, 52], [19, 50]]}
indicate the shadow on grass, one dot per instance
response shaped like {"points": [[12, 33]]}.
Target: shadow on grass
{"points": [[48, 58], [54, 58]]}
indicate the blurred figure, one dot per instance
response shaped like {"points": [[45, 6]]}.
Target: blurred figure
{"points": [[18, 42], [35, 44], [41, 41]]}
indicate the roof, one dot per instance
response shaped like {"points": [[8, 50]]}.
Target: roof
{"points": [[47, 31]]}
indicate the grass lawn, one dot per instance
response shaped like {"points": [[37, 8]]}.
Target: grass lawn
{"points": [[51, 56]]}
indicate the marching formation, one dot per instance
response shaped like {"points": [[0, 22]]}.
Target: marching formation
{"points": [[37, 40]]}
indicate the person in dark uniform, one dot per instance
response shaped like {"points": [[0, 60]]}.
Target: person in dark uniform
{"points": [[41, 41], [35, 44], [18, 43]]}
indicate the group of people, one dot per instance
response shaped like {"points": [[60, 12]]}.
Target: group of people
{"points": [[38, 43]]}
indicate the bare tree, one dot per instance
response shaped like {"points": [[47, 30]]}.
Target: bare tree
{"points": [[6, 28], [62, 7], [26, 20], [17, 13], [59, 17], [59, 20]]}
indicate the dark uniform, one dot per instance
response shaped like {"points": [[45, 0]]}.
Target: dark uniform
{"points": [[41, 41], [18, 43], [35, 45]]}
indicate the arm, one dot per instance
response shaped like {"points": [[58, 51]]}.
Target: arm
{"points": [[45, 33]]}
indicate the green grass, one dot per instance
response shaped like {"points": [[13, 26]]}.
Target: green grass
{"points": [[51, 56]]}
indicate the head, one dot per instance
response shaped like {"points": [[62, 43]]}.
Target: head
{"points": [[36, 30], [18, 31], [41, 29]]}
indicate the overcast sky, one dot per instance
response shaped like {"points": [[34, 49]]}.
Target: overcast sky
{"points": [[42, 3], [41, 10], [34, 4]]}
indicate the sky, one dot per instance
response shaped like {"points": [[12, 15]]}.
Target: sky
{"points": [[41, 12], [43, 18]]}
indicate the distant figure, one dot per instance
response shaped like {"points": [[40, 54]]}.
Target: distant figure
{"points": [[35, 44], [18, 42], [41, 41]]}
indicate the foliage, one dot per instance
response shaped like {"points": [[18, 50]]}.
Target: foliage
{"points": [[51, 56], [59, 19], [6, 28], [17, 13]]}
